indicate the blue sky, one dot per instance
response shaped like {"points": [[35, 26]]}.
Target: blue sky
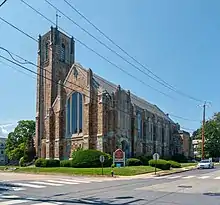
{"points": [[178, 40]]}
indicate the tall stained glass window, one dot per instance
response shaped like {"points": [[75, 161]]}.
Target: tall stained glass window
{"points": [[74, 114]]}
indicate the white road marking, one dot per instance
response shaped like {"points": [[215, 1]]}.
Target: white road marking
{"points": [[188, 177], [46, 203], [13, 202], [174, 177], [9, 197], [18, 189], [61, 182], [162, 177], [217, 178], [45, 183], [203, 177], [30, 185], [77, 181]]}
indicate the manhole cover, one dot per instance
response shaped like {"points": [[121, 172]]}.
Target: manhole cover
{"points": [[184, 186]]}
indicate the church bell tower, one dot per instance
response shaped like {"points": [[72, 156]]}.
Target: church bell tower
{"points": [[56, 54]]}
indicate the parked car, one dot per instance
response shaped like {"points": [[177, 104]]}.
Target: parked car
{"points": [[205, 164]]}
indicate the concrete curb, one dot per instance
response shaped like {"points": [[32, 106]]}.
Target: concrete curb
{"points": [[159, 173], [176, 172]]}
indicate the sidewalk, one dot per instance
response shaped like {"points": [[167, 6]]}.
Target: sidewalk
{"points": [[160, 173]]}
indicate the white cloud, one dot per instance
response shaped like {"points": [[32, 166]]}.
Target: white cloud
{"points": [[5, 129]]}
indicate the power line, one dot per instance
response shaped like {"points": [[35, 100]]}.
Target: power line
{"points": [[34, 64], [31, 71], [15, 27], [3, 3], [101, 56], [113, 51], [17, 69], [182, 118]]}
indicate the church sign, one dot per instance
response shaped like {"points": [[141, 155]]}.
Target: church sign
{"points": [[119, 157]]}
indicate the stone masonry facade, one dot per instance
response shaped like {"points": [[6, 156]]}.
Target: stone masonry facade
{"points": [[78, 109]]}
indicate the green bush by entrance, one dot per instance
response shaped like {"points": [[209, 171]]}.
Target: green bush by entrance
{"points": [[161, 164], [174, 164], [90, 159], [133, 162], [47, 163]]}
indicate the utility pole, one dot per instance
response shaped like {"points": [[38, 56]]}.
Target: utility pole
{"points": [[203, 129]]}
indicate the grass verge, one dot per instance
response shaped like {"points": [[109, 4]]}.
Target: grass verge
{"points": [[122, 171], [188, 164]]}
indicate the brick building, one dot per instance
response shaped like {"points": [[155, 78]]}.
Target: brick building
{"points": [[78, 108]]}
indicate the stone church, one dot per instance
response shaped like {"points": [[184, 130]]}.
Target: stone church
{"points": [[76, 108]]}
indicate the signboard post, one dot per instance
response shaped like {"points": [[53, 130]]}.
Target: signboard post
{"points": [[102, 159], [156, 156], [119, 157]]}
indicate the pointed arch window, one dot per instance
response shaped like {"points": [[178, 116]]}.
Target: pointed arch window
{"points": [[74, 118], [63, 53], [46, 51]]}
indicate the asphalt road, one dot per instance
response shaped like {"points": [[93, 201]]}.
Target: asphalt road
{"points": [[187, 188]]}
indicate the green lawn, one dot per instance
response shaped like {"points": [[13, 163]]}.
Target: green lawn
{"points": [[122, 171]]}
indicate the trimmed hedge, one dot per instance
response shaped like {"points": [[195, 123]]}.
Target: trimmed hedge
{"points": [[133, 162], [47, 163], [90, 159], [144, 159], [179, 158], [161, 164], [174, 164], [66, 163]]}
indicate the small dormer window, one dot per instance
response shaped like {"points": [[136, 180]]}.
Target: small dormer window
{"points": [[63, 50], [46, 51]]}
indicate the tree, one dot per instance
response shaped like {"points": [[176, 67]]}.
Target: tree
{"points": [[18, 140], [212, 136]]}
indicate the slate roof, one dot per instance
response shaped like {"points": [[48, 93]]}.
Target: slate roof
{"points": [[110, 87]]}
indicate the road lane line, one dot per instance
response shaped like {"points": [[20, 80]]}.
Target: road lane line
{"points": [[47, 203], [188, 177], [13, 202], [45, 183], [30, 185], [77, 181], [203, 177], [62, 182], [174, 177]]}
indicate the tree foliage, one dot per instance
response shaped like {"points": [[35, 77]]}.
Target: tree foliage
{"points": [[212, 136], [20, 141]]}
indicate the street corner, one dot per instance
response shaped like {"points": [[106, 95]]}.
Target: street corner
{"points": [[175, 171]]}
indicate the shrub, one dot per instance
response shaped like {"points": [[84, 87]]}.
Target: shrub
{"points": [[47, 163], [179, 158], [22, 162], [66, 163], [174, 164], [161, 164], [90, 158], [133, 162], [144, 159], [40, 162], [52, 163]]}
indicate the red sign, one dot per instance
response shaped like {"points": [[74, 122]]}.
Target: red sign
{"points": [[119, 154]]}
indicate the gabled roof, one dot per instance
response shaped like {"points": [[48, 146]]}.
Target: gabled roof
{"points": [[110, 87]]}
